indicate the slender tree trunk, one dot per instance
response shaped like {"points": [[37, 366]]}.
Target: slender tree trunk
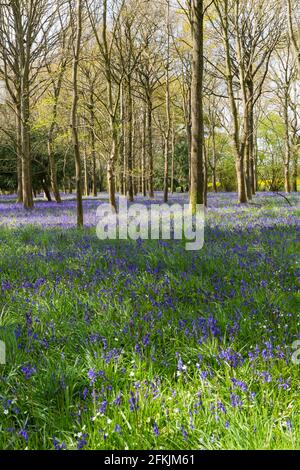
{"points": [[250, 86], [20, 185], [135, 179], [122, 146], [287, 158], [188, 128], [93, 144], [287, 187], [19, 157], [189, 146], [197, 180], [111, 167], [168, 115], [74, 116], [248, 131], [295, 172], [166, 169], [111, 164], [52, 162], [248, 171], [53, 170], [86, 174], [47, 194], [124, 156], [241, 179], [150, 146], [144, 150], [244, 164], [23, 48], [239, 148], [255, 156], [248, 164], [25, 144], [205, 174], [214, 158], [173, 158], [130, 194]]}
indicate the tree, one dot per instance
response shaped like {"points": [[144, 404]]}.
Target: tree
{"points": [[28, 32], [151, 71], [197, 180], [250, 32], [167, 133], [77, 36], [294, 37], [56, 72]]}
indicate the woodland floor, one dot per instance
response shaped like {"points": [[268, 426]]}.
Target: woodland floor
{"points": [[143, 345]]}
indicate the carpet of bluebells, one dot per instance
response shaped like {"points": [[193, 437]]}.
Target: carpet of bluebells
{"points": [[143, 345]]}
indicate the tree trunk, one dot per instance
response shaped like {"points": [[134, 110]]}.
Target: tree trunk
{"points": [[46, 190], [295, 174], [130, 194], [93, 143], [135, 179], [144, 154], [19, 157], [255, 157], [197, 183], [189, 145], [86, 174], [74, 116], [173, 158], [205, 174], [214, 158], [287, 157], [168, 115], [239, 148], [166, 169], [150, 147], [251, 136], [123, 154], [53, 170], [249, 128], [52, 162], [20, 186], [242, 195], [23, 88], [26, 157], [111, 180]]}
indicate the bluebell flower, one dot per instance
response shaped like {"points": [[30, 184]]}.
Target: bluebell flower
{"points": [[28, 370], [92, 376], [57, 445], [133, 401], [23, 433], [236, 401], [239, 384], [81, 441], [117, 428], [184, 433], [118, 400], [221, 407]]}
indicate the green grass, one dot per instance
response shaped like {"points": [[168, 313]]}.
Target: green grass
{"points": [[74, 304]]}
